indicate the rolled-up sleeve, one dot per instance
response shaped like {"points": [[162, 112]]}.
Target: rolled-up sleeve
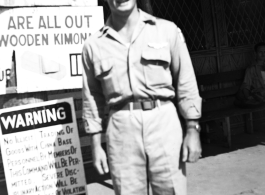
{"points": [[189, 101], [93, 98]]}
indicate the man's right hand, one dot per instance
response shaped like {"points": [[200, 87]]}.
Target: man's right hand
{"points": [[99, 155]]}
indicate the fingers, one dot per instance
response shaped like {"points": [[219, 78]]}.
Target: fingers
{"points": [[98, 167], [185, 154], [194, 156], [105, 166], [190, 155], [100, 161], [102, 166]]}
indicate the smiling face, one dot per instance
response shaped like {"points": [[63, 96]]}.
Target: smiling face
{"points": [[122, 7]]}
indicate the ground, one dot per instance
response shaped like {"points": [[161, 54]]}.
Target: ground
{"points": [[239, 170], [236, 171]]}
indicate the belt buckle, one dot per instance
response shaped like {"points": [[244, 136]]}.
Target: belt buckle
{"points": [[147, 105]]}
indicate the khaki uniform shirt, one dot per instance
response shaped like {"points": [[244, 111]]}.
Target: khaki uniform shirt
{"points": [[115, 71]]}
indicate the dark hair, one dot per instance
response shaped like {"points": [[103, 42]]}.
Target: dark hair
{"points": [[258, 45]]}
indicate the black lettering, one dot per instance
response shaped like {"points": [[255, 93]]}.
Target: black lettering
{"points": [[45, 39], [69, 130], [24, 42], [83, 37], [48, 21], [61, 132], [64, 142], [55, 21], [3, 76], [8, 141], [60, 183], [29, 22], [37, 39], [69, 22], [20, 22], [42, 23], [76, 38], [59, 174], [13, 40], [73, 180], [70, 191], [4, 39], [68, 39], [88, 17], [30, 40], [73, 161], [64, 162], [81, 22], [56, 39], [50, 153], [11, 23], [70, 172]]}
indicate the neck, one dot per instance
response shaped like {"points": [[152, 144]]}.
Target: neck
{"points": [[125, 21]]}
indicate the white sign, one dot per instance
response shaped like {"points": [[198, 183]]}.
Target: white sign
{"points": [[48, 44], [41, 150]]}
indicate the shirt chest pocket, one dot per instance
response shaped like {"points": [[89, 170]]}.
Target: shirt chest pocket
{"points": [[105, 71], [156, 63]]}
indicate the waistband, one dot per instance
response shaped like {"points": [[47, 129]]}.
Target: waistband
{"points": [[141, 105]]}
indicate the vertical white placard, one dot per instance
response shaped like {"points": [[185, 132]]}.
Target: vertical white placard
{"points": [[41, 149]]}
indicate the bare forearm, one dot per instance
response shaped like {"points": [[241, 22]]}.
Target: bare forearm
{"points": [[95, 140]]}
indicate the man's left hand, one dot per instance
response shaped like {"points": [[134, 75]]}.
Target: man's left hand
{"points": [[191, 146]]}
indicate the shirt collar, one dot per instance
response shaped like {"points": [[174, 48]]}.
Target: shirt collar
{"points": [[144, 17]]}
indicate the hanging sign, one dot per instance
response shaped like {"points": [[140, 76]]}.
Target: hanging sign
{"points": [[45, 45]]}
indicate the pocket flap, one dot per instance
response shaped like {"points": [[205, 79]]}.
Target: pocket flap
{"points": [[103, 66], [162, 54]]}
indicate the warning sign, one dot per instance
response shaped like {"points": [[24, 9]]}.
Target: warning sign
{"points": [[41, 149]]}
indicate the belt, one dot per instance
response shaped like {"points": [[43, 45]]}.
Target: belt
{"points": [[141, 105]]}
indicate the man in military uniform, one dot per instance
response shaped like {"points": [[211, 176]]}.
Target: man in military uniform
{"points": [[129, 66]]}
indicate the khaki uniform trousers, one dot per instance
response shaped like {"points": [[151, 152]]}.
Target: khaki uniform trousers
{"points": [[144, 149]]}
